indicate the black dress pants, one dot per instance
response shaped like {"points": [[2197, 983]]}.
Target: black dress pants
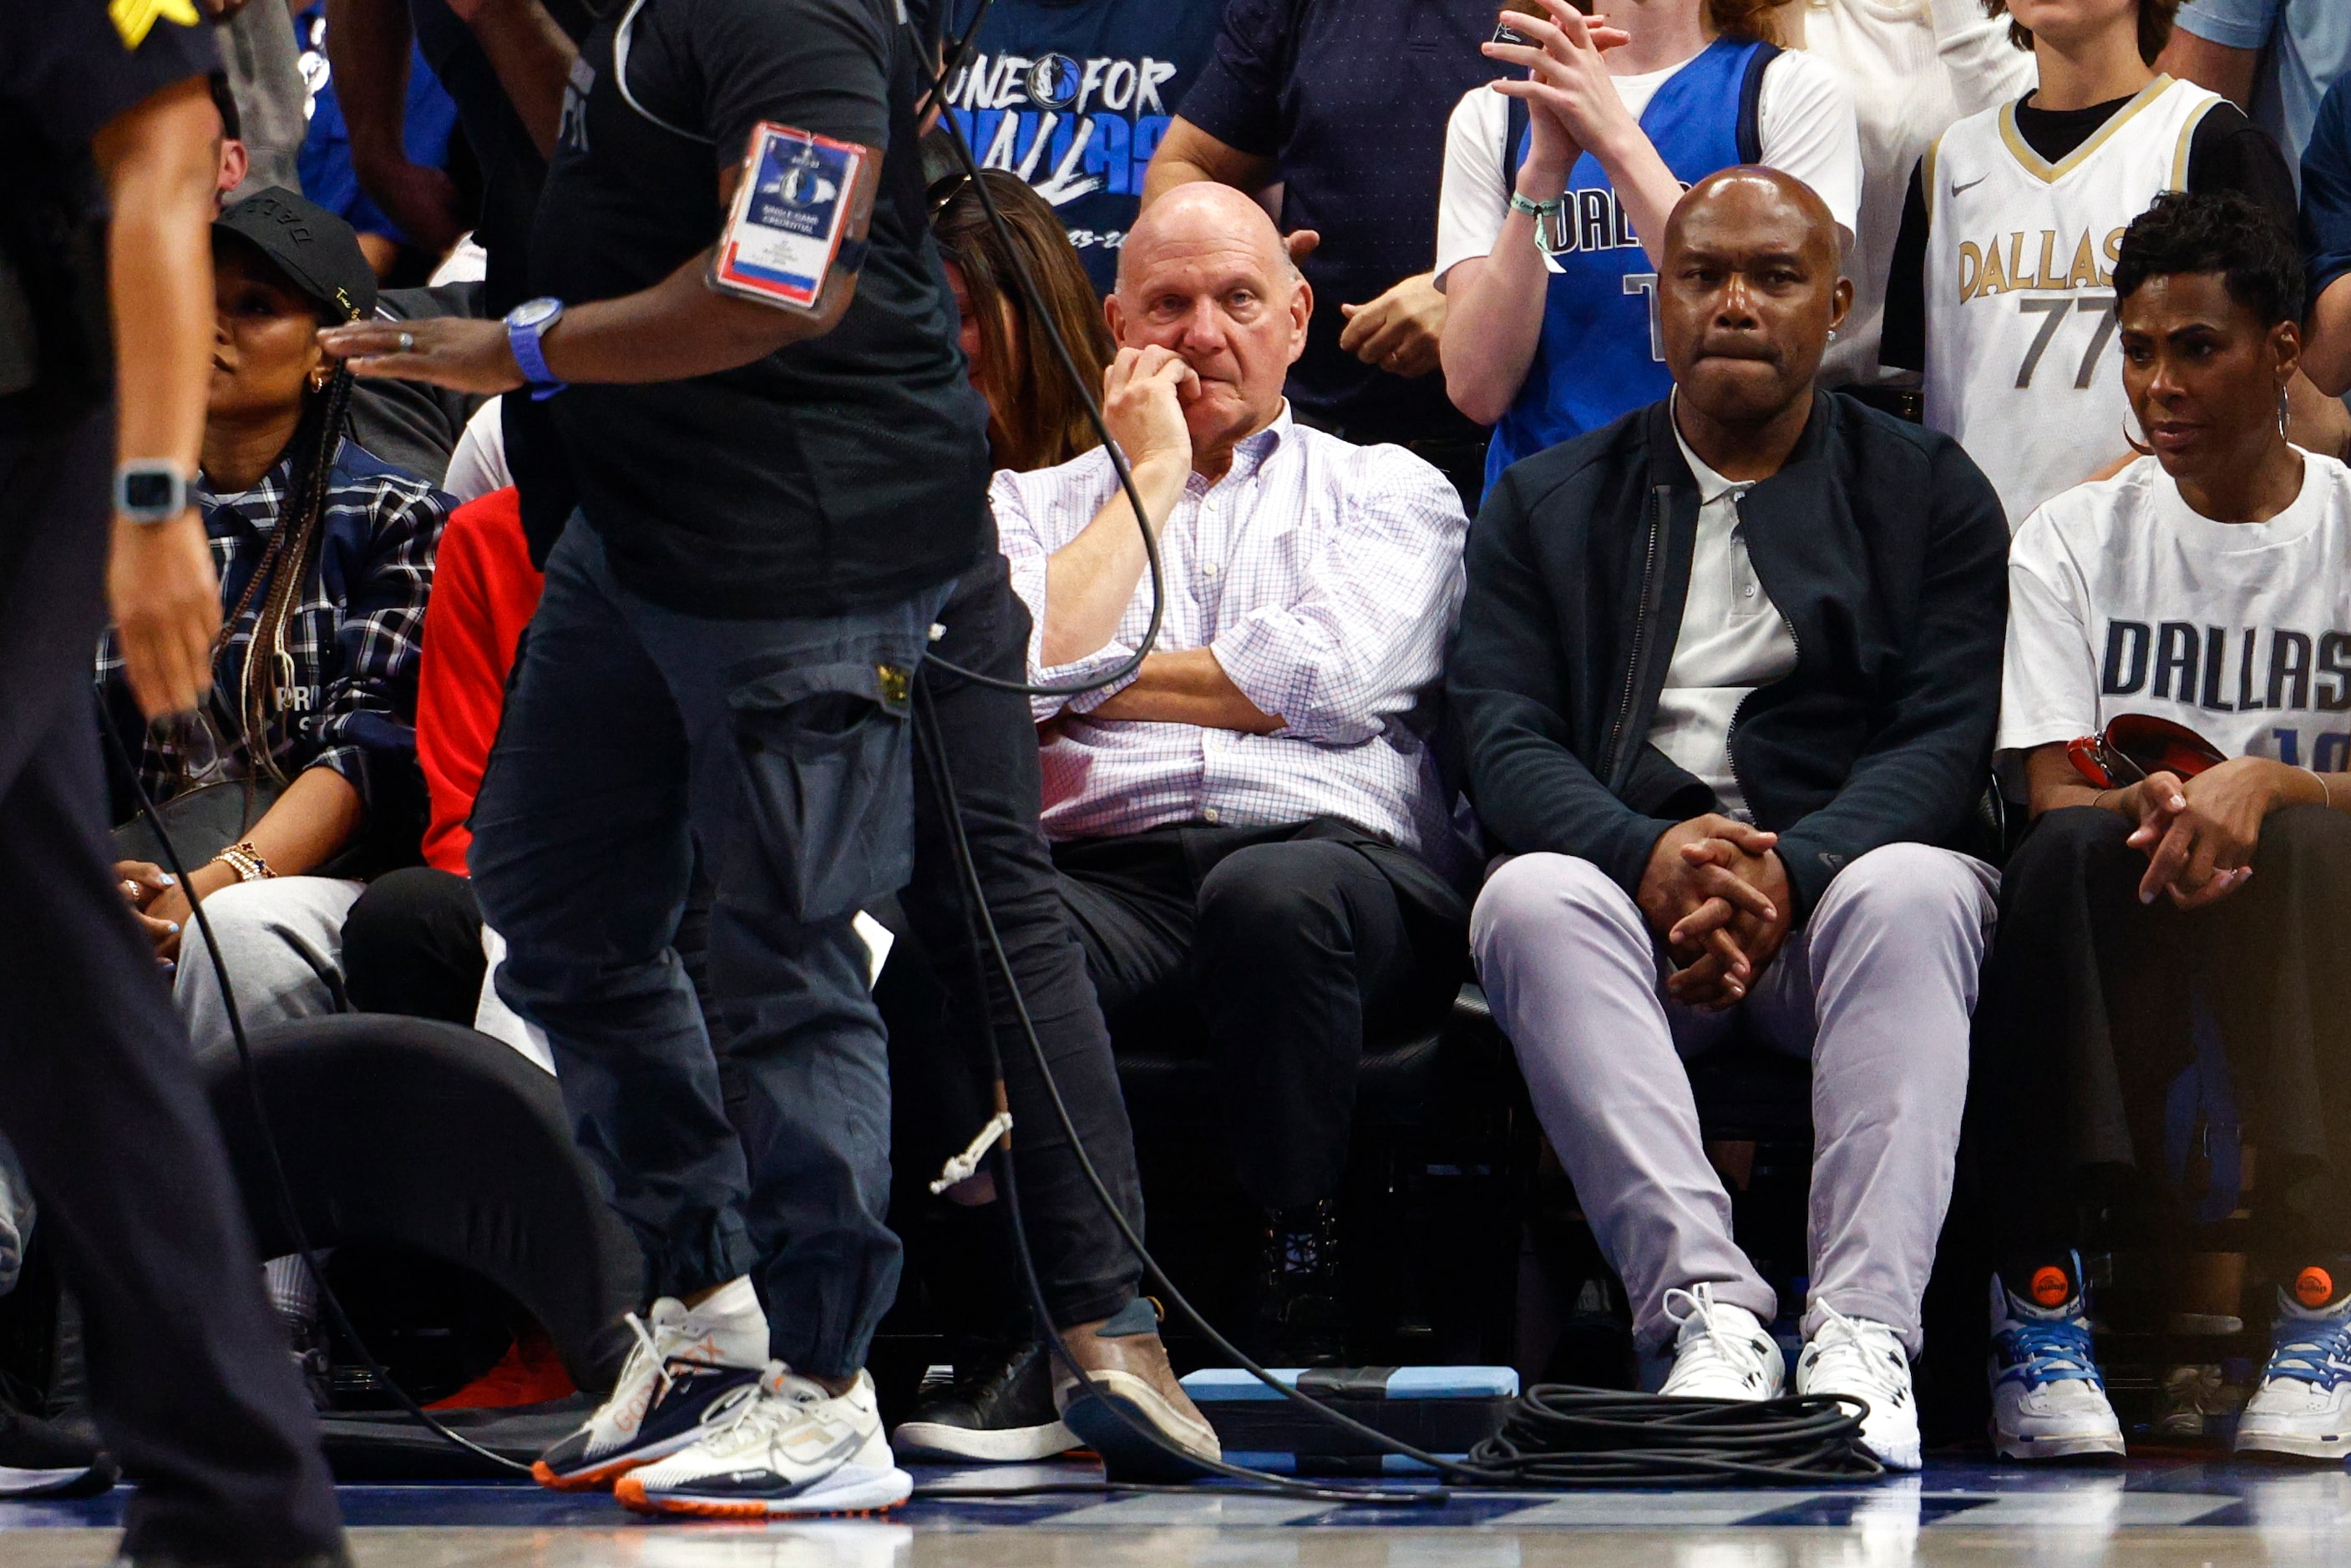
{"points": [[413, 945], [2086, 1019], [990, 747], [189, 1375], [1289, 948]]}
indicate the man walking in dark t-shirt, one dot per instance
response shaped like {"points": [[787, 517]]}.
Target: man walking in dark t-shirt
{"points": [[775, 504]]}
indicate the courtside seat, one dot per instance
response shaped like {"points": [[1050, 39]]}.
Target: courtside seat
{"points": [[435, 1139], [1443, 1157]]}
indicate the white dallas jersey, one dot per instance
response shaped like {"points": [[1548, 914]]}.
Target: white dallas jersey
{"points": [[2123, 600], [2020, 286]]}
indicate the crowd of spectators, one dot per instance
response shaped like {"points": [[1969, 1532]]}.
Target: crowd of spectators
{"points": [[1596, 464]]}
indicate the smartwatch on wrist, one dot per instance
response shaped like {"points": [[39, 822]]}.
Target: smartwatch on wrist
{"points": [[148, 491], [525, 323]]}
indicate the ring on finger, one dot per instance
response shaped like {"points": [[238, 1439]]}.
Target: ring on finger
{"points": [[407, 342]]}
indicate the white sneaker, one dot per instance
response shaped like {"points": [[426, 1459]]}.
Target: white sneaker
{"points": [[689, 1370], [794, 1449], [2048, 1397], [1721, 1350], [2304, 1403], [1854, 1356]]}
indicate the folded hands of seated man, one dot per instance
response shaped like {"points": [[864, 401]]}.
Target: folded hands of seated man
{"points": [[2199, 835], [1717, 895]]}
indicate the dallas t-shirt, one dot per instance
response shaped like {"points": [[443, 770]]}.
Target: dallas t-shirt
{"points": [[2124, 599], [1073, 96]]}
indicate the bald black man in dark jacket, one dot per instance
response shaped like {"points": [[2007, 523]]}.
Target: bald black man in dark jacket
{"points": [[1727, 674]]}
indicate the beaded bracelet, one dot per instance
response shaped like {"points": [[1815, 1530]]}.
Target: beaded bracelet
{"points": [[246, 862]]}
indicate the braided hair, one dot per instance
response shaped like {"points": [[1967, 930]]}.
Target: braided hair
{"points": [[293, 551]]}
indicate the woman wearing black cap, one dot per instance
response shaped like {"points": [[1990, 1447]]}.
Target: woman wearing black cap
{"points": [[325, 556]]}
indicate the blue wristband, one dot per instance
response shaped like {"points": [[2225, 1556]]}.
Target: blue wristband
{"points": [[524, 325]]}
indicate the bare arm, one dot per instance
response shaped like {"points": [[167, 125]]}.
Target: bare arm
{"points": [[1494, 303], [368, 48], [1187, 688], [1188, 153], [679, 328], [1493, 321], [1090, 580], [2316, 421], [312, 821], [1571, 80], [532, 57], [159, 159], [2217, 67], [2327, 344]]}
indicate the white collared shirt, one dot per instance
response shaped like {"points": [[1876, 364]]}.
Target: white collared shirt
{"points": [[1732, 639], [1325, 577]]}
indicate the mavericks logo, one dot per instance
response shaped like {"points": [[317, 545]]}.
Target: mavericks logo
{"points": [[1069, 127]]}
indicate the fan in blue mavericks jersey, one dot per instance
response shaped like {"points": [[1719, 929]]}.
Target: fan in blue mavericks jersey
{"points": [[1073, 97], [1703, 98]]}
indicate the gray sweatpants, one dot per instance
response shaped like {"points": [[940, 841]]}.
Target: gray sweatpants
{"points": [[283, 941], [1876, 989]]}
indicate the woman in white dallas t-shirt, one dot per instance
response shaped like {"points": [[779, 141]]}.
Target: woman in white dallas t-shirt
{"points": [[2208, 584]]}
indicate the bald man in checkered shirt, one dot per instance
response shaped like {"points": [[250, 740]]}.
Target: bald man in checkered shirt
{"points": [[1250, 834]]}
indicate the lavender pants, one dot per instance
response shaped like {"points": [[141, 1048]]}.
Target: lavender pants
{"points": [[1876, 989]]}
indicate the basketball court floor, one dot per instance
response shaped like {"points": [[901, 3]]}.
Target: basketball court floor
{"points": [[2178, 1513]]}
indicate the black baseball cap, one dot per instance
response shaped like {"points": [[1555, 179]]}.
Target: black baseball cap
{"points": [[316, 250]]}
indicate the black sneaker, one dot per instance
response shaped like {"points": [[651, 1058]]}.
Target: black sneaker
{"points": [[997, 1410], [38, 1458], [1301, 1312]]}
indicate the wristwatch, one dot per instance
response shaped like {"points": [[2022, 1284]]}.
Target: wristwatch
{"points": [[148, 491], [525, 323]]}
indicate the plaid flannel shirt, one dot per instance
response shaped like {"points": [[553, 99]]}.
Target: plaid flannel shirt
{"points": [[1325, 577], [352, 637]]}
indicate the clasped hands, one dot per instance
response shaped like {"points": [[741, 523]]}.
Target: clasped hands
{"points": [[1716, 895], [2198, 835], [1573, 105]]}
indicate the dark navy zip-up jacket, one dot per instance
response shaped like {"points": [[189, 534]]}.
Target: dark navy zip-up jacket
{"points": [[1882, 545]]}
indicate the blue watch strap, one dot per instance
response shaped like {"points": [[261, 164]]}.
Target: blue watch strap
{"points": [[524, 324]]}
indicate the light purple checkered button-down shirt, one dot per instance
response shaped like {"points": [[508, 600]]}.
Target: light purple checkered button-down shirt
{"points": [[1325, 577]]}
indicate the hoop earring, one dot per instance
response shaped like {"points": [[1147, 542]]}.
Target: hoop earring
{"points": [[2135, 444], [2283, 407]]}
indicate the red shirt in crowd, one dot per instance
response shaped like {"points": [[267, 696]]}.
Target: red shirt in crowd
{"points": [[484, 592]]}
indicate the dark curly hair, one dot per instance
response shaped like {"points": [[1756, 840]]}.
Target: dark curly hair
{"points": [[2225, 231], [2154, 25]]}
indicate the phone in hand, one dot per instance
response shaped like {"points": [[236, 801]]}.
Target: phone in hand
{"points": [[1506, 34]]}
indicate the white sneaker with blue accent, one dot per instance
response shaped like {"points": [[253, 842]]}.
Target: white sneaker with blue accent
{"points": [[691, 1368], [2304, 1403], [2048, 1397], [798, 1449], [1856, 1356], [1720, 1351]]}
